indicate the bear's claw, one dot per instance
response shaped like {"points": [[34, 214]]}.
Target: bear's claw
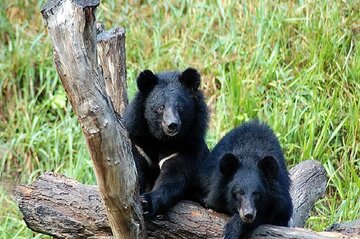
{"points": [[147, 205]]}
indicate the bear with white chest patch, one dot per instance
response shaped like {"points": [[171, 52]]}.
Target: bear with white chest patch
{"points": [[167, 121]]}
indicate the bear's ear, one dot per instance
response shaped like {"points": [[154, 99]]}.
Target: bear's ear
{"points": [[190, 78], [229, 164], [269, 166], [146, 81]]}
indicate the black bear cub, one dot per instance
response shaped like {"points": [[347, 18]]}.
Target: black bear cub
{"points": [[167, 121], [249, 179]]}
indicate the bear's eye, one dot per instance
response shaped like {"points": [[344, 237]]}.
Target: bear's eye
{"points": [[160, 109], [238, 194], [256, 195]]}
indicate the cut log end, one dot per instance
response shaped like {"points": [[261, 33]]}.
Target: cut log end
{"points": [[103, 35], [50, 5]]}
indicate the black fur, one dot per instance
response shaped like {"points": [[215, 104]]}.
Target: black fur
{"points": [[249, 180], [167, 116]]}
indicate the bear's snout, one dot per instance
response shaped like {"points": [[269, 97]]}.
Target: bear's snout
{"points": [[247, 213], [171, 122], [173, 126]]}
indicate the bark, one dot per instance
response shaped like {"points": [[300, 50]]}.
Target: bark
{"points": [[61, 207], [111, 55], [71, 25], [347, 227], [310, 177], [274, 232]]}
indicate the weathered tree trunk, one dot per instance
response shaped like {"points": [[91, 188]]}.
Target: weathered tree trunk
{"points": [[310, 177], [64, 208], [111, 54], [71, 25]]}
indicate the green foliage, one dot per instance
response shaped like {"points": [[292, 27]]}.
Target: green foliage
{"points": [[292, 64]]}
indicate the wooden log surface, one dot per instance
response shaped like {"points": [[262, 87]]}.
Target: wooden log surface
{"points": [[61, 207], [351, 228], [71, 25], [310, 178], [111, 55]]}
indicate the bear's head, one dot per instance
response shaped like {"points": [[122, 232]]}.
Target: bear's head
{"points": [[248, 184], [171, 101]]}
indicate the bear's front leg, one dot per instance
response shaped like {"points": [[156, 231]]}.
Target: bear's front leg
{"points": [[169, 188], [233, 228]]}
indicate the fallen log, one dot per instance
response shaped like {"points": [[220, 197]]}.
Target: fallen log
{"points": [[61, 207], [347, 227]]}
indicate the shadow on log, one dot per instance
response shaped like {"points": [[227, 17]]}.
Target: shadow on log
{"points": [[61, 207]]}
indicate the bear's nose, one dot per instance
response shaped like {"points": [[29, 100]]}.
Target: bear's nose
{"points": [[249, 216], [173, 126]]}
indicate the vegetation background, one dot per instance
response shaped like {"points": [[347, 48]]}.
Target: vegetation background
{"points": [[293, 64]]}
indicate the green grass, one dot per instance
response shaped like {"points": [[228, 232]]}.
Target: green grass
{"points": [[293, 64]]}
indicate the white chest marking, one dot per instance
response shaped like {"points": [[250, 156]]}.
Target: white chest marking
{"points": [[167, 158], [142, 153]]}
